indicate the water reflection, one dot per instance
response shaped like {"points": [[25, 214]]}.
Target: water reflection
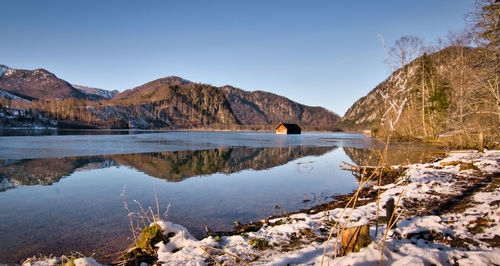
{"points": [[398, 154], [179, 165], [59, 205], [45, 171], [170, 166]]}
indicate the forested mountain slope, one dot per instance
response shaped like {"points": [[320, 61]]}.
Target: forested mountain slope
{"points": [[452, 93], [260, 108]]}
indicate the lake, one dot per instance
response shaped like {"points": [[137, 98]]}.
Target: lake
{"points": [[64, 191]]}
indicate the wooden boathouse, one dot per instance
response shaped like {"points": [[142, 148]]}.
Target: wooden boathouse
{"points": [[288, 129]]}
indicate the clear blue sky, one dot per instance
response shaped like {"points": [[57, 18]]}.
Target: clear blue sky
{"points": [[320, 53]]}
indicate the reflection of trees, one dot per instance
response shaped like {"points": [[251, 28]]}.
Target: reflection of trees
{"points": [[42, 171], [398, 154], [177, 166], [171, 166]]}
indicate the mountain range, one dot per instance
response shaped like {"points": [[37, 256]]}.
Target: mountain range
{"points": [[171, 102]]}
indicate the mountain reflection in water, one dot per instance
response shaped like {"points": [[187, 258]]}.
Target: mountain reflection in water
{"points": [[398, 154], [170, 166]]}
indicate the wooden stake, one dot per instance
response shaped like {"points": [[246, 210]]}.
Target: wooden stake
{"points": [[481, 141], [389, 210], [354, 238]]}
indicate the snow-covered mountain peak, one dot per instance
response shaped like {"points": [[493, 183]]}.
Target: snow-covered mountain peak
{"points": [[5, 70], [96, 91]]}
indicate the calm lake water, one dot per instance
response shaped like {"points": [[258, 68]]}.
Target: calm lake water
{"points": [[62, 191]]}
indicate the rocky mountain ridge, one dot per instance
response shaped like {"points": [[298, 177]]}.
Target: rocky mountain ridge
{"points": [[37, 84]]}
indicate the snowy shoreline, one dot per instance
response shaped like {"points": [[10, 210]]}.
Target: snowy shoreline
{"points": [[450, 215]]}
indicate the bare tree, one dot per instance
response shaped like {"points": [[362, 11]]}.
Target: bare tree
{"points": [[460, 79], [485, 22], [407, 49]]}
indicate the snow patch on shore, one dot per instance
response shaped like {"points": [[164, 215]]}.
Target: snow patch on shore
{"points": [[57, 261]]}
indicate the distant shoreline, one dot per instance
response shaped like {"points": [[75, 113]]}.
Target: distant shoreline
{"points": [[161, 130]]}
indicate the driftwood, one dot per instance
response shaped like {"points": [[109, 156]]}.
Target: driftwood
{"points": [[354, 238], [358, 169], [388, 174]]}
